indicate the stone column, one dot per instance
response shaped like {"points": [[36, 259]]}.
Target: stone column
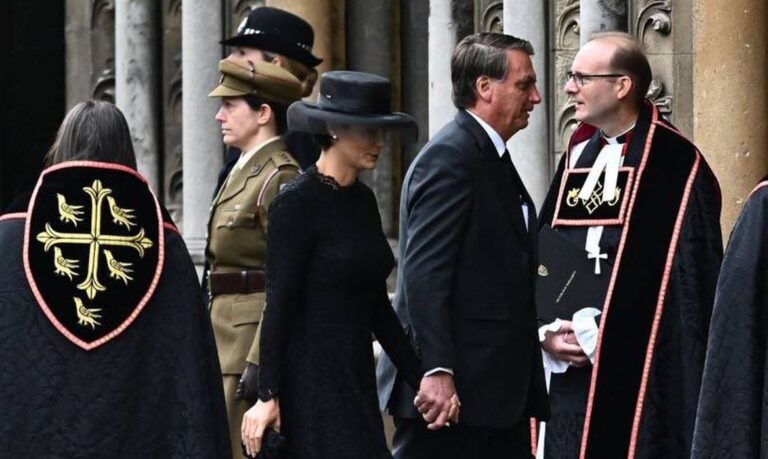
{"points": [[442, 40], [369, 50], [201, 30], [730, 96], [530, 147], [137, 78], [415, 76], [601, 16]]}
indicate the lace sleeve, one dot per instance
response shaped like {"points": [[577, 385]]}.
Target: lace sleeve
{"points": [[288, 246], [389, 332]]}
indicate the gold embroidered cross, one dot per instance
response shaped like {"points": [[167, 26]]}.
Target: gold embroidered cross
{"points": [[97, 241]]}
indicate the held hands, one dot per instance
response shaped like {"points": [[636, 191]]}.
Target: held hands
{"points": [[562, 345], [437, 400], [255, 422]]}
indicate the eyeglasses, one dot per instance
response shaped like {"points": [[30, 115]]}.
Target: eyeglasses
{"points": [[580, 78]]}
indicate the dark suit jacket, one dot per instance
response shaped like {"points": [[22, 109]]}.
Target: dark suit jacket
{"points": [[465, 281]]}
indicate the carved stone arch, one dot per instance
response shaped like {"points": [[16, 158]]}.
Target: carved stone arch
{"points": [[653, 16], [566, 124], [567, 26], [104, 88], [103, 14], [174, 93], [173, 14], [174, 8], [103, 50], [491, 18]]}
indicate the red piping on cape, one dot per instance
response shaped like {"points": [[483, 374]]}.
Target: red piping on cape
{"points": [[172, 227], [155, 279], [14, 216], [660, 304], [534, 437], [611, 285], [754, 190]]}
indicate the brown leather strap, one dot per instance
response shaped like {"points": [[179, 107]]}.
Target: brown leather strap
{"points": [[250, 281]]}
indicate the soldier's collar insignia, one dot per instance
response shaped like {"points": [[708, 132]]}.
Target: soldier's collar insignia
{"points": [[93, 248], [573, 210]]}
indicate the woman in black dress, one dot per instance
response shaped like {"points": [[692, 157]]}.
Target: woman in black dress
{"points": [[326, 284]]}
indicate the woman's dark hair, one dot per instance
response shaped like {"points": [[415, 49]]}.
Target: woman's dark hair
{"points": [[95, 131], [323, 141], [279, 110]]}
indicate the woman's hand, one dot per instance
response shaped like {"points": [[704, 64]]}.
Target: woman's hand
{"points": [[255, 422]]}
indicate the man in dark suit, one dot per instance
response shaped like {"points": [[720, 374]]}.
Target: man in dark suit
{"points": [[467, 260]]}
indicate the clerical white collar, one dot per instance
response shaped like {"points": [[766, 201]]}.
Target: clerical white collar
{"points": [[498, 142], [619, 138]]}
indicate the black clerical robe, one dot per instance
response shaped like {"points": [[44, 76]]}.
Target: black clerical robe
{"points": [[640, 396], [731, 418], [112, 377]]}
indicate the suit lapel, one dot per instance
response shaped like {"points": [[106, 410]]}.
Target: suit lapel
{"points": [[509, 187]]}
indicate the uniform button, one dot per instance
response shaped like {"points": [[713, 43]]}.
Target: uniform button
{"points": [[237, 206], [255, 168], [229, 223]]}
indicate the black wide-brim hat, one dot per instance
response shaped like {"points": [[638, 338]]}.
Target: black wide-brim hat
{"points": [[349, 98], [274, 30]]}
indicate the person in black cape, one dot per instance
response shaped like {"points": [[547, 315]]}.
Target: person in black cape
{"points": [[731, 417], [326, 284], [112, 355], [632, 191]]}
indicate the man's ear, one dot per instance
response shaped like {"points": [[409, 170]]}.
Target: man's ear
{"points": [[483, 88], [626, 85]]}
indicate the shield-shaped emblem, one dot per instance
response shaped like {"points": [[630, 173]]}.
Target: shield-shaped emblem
{"points": [[93, 248]]}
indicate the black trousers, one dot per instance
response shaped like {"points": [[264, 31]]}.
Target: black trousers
{"points": [[412, 440]]}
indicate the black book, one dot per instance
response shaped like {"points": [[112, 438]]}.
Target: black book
{"points": [[566, 278]]}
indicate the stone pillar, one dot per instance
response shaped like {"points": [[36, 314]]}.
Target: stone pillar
{"points": [[369, 50], [442, 40], [137, 78], [201, 139], [602, 16], [730, 96], [530, 147], [415, 76]]}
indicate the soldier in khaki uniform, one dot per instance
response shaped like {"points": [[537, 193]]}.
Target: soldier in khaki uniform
{"points": [[252, 116]]}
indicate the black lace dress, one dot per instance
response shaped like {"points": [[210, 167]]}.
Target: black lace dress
{"points": [[326, 296]]}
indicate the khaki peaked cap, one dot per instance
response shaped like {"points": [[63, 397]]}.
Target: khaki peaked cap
{"points": [[240, 77]]}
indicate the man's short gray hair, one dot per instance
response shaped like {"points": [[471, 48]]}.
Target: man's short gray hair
{"points": [[481, 54]]}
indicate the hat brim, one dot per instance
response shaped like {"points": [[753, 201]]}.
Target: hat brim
{"points": [[264, 42], [226, 91], [308, 117]]}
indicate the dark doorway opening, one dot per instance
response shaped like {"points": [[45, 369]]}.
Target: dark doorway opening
{"points": [[32, 90]]}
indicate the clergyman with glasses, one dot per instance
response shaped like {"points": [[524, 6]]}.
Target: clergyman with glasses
{"points": [[630, 248]]}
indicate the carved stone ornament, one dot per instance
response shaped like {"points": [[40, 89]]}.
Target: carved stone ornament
{"points": [[104, 89], [656, 94], [567, 26], [654, 15], [492, 19]]}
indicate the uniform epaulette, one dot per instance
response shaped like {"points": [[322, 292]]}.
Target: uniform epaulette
{"points": [[281, 158]]}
